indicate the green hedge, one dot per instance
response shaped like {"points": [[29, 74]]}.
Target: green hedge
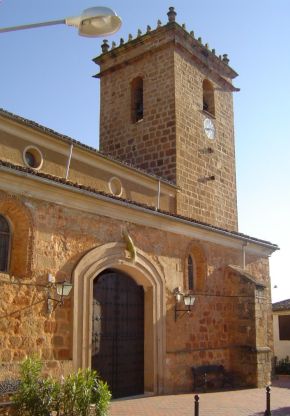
{"points": [[79, 394]]}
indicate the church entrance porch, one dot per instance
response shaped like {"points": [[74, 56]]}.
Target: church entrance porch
{"points": [[118, 332], [111, 264]]}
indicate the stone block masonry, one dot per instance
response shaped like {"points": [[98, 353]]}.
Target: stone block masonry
{"points": [[170, 140], [225, 324]]}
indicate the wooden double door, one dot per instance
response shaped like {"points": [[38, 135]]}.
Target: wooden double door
{"points": [[118, 333]]}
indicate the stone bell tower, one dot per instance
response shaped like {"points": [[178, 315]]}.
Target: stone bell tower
{"points": [[166, 107]]}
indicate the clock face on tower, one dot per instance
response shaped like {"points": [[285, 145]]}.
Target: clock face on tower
{"points": [[209, 128]]}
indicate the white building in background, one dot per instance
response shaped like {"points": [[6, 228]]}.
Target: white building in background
{"points": [[281, 329]]}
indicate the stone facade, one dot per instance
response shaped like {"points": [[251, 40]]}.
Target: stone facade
{"points": [[226, 324], [70, 218], [281, 312]]}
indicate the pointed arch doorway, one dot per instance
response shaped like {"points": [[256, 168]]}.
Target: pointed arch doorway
{"points": [[118, 332], [145, 272]]}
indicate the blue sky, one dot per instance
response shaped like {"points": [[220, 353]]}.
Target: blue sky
{"points": [[46, 76]]}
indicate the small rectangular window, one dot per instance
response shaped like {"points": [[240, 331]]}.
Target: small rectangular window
{"points": [[284, 327]]}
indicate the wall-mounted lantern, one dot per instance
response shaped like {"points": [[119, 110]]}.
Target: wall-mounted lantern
{"points": [[187, 299], [55, 292], [63, 289]]}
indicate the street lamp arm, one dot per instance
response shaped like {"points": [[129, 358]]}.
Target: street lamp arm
{"points": [[32, 25], [93, 22]]}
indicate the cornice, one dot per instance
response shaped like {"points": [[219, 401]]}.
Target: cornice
{"points": [[36, 187], [180, 38]]}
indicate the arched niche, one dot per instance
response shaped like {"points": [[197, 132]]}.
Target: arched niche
{"points": [[21, 228]]}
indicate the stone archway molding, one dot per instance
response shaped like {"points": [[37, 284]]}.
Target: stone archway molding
{"points": [[18, 214], [146, 273]]}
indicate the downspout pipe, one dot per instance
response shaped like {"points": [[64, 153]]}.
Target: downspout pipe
{"points": [[68, 161], [210, 228], [158, 195], [244, 255]]}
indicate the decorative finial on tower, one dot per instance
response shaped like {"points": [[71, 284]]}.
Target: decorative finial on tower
{"points": [[148, 28], [225, 58], [213, 51], [139, 33], [113, 45], [206, 45], [200, 40], [159, 23], [130, 37], [183, 26], [122, 41], [105, 46], [171, 14], [191, 33]]}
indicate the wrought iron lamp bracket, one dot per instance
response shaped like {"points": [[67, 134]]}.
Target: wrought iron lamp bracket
{"points": [[185, 311], [187, 299], [62, 289]]}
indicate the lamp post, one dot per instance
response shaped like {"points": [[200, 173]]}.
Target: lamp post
{"points": [[93, 22]]}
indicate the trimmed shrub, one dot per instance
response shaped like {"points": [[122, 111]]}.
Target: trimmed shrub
{"points": [[79, 394]]}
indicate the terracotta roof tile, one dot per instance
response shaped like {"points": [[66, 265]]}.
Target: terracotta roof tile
{"points": [[283, 305], [57, 179], [67, 139]]}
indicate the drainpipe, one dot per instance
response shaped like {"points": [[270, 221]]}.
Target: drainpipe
{"points": [[244, 254], [229, 234], [68, 161], [158, 195]]}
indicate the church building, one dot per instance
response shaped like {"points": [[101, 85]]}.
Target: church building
{"points": [[144, 231]]}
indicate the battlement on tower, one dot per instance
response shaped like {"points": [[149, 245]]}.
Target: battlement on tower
{"points": [[151, 39]]}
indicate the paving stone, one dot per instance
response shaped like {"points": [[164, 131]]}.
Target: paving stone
{"points": [[247, 402]]}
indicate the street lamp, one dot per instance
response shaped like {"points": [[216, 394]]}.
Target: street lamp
{"points": [[63, 290], [93, 22], [187, 299]]}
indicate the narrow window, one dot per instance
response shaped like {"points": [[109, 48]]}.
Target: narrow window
{"points": [[284, 327], [190, 273], [208, 97], [4, 244], [137, 99]]}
